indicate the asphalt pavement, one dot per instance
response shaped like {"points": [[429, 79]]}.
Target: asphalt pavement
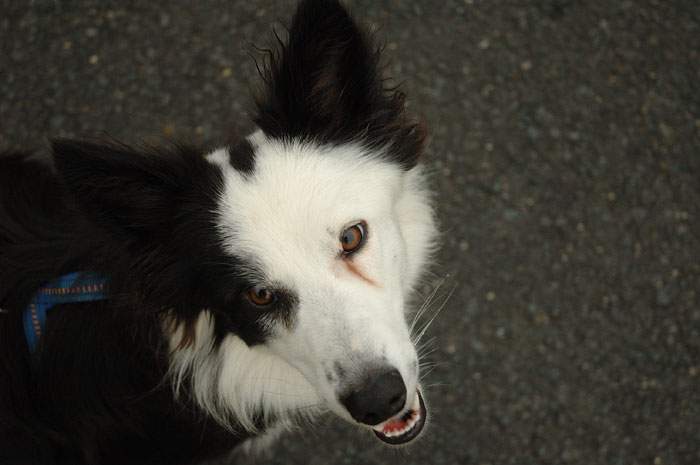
{"points": [[565, 146]]}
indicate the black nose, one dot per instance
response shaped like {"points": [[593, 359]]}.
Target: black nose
{"points": [[381, 395]]}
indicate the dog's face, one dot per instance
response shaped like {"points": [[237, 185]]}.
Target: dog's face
{"points": [[283, 265], [334, 239]]}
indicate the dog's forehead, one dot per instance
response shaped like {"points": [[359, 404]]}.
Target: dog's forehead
{"points": [[298, 197]]}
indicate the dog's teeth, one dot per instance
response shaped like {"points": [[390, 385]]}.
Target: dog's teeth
{"points": [[409, 424], [413, 415]]}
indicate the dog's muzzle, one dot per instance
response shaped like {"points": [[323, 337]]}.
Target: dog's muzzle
{"points": [[406, 426], [380, 402]]}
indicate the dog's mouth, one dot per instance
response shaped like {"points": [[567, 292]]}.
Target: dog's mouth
{"points": [[405, 427]]}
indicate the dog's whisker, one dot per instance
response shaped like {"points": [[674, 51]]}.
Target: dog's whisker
{"points": [[426, 344], [432, 385], [426, 373], [426, 304], [424, 307], [432, 367], [427, 354], [417, 335], [437, 312], [430, 362], [426, 347]]}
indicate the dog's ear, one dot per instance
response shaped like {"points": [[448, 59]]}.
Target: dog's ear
{"points": [[127, 190], [324, 85]]}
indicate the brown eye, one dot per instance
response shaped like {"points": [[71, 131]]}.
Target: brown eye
{"points": [[260, 296], [352, 238]]}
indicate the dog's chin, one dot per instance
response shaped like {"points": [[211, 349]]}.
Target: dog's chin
{"points": [[404, 427]]}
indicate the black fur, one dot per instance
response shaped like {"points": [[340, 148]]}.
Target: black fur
{"points": [[95, 391], [325, 86], [242, 157]]}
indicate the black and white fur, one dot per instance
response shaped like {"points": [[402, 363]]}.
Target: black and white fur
{"points": [[178, 364]]}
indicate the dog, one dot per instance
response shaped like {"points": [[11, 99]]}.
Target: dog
{"points": [[170, 305]]}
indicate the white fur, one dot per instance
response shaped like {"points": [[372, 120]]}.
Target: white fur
{"points": [[286, 217], [236, 382]]}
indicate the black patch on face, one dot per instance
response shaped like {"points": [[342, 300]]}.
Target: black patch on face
{"points": [[252, 322], [242, 156], [146, 219], [324, 85]]}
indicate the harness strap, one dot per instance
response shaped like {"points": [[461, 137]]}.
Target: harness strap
{"points": [[69, 288]]}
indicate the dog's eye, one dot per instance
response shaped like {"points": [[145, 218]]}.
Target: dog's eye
{"points": [[353, 237], [260, 296]]}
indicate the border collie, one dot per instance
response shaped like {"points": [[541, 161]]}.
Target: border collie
{"points": [[240, 290]]}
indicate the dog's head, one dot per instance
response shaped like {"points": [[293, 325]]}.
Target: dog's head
{"points": [[284, 263]]}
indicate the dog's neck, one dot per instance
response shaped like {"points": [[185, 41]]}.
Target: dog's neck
{"points": [[69, 288]]}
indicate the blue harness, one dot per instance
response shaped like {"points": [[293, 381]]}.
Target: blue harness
{"points": [[69, 288]]}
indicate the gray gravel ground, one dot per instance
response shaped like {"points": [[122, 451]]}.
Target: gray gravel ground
{"points": [[566, 140]]}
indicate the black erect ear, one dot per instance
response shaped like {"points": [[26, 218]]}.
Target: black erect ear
{"points": [[324, 85], [138, 192]]}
